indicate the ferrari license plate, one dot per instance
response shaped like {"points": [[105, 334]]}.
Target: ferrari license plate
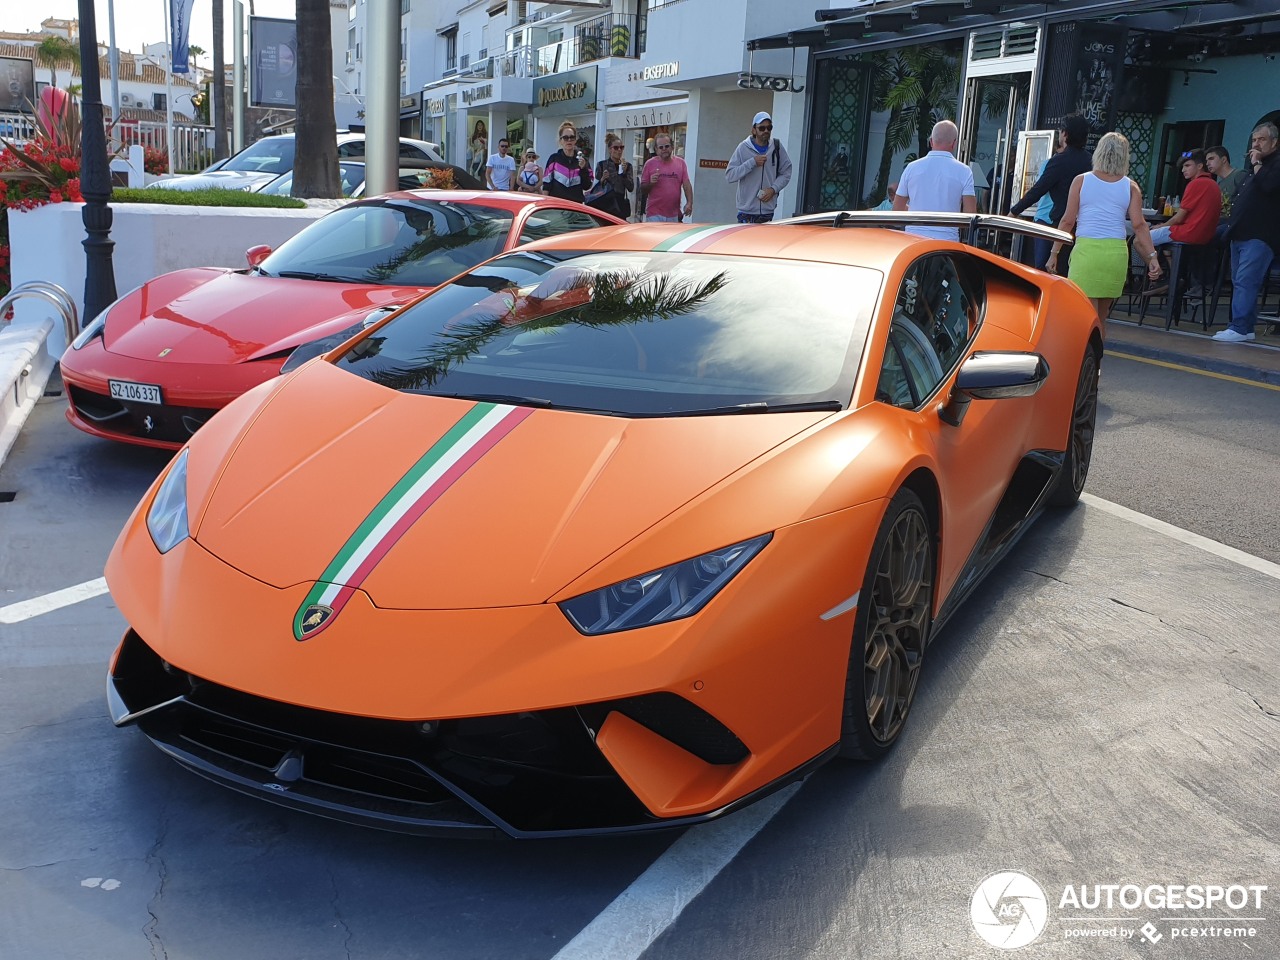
{"points": [[135, 392]]}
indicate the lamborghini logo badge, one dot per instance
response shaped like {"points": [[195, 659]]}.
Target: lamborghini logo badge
{"points": [[313, 618]]}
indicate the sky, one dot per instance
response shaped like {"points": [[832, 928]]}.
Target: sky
{"points": [[139, 22]]}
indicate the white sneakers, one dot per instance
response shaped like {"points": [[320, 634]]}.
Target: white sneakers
{"points": [[1230, 336]]}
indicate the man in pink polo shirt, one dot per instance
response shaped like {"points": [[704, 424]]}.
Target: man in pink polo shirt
{"points": [[662, 180]]}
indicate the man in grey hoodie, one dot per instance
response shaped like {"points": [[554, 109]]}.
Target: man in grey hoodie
{"points": [[761, 169]]}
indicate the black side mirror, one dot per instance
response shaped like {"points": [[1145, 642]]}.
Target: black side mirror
{"points": [[994, 375]]}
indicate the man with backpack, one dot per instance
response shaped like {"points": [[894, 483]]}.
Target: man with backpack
{"points": [[761, 169]]}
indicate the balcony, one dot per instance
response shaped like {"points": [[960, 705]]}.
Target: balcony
{"points": [[613, 35]]}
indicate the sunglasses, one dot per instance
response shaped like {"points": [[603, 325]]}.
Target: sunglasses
{"points": [[766, 127], [664, 146], [616, 146], [1187, 155], [569, 136]]}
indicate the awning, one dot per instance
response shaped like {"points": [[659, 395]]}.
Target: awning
{"points": [[879, 21]]}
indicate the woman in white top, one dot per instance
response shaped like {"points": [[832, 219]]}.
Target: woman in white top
{"points": [[1097, 207]]}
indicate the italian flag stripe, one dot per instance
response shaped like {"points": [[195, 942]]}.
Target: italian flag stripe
{"points": [[478, 432], [681, 242]]}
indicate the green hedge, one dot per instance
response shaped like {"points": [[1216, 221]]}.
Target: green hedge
{"points": [[204, 198]]}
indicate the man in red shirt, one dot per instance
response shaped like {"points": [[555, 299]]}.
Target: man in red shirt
{"points": [[1197, 218]]}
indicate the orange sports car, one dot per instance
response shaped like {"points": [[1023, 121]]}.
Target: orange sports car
{"points": [[621, 530]]}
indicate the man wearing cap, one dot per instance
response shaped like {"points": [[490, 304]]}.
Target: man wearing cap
{"points": [[937, 183], [761, 169]]}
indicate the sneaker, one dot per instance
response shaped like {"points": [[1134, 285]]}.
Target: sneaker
{"points": [[1230, 336]]}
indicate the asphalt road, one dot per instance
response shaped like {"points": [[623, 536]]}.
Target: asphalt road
{"points": [[1104, 711]]}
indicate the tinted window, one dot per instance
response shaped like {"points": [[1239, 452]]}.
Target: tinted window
{"points": [[549, 221], [935, 316], [632, 333], [411, 242], [350, 176]]}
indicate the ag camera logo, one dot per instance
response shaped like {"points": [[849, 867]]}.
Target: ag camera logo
{"points": [[1009, 910]]}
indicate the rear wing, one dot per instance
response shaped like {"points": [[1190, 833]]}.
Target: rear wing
{"points": [[969, 224]]}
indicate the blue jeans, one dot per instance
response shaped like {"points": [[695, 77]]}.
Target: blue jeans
{"points": [[1250, 260]]}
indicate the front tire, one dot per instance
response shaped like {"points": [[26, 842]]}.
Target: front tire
{"points": [[890, 632], [1084, 415]]}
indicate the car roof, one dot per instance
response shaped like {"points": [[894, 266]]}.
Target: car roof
{"points": [[875, 248], [503, 199]]}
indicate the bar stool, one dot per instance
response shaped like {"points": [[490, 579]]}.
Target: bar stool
{"points": [[1220, 257]]}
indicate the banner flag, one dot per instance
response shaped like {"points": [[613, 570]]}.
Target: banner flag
{"points": [[180, 31]]}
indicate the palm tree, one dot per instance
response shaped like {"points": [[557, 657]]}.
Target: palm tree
{"points": [[53, 50], [919, 86], [315, 164], [218, 110]]}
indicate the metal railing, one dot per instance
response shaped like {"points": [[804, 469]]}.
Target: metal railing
{"points": [[613, 35], [517, 62], [192, 142], [51, 293]]}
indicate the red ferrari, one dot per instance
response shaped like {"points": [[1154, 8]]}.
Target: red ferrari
{"points": [[164, 358]]}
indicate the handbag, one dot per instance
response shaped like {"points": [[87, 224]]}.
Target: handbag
{"points": [[600, 196]]}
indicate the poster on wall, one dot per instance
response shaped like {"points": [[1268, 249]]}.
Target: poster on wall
{"points": [[273, 46], [1084, 67], [17, 84]]}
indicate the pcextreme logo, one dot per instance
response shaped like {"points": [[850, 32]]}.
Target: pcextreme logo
{"points": [[1009, 910]]}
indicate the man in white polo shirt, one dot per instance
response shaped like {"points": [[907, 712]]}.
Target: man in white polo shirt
{"points": [[937, 183]]}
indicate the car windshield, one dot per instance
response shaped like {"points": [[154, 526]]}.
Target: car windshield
{"points": [[269, 155], [632, 334], [418, 242]]}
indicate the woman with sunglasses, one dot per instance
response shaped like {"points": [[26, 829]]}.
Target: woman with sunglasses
{"points": [[567, 174]]}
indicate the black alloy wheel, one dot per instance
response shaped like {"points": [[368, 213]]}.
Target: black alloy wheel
{"points": [[1084, 415], [891, 630]]}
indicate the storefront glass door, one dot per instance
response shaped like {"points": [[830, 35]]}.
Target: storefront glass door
{"points": [[995, 110]]}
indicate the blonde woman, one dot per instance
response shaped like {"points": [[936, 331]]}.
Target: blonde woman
{"points": [[567, 173], [1097, 207]]}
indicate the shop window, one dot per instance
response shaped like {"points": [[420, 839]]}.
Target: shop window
{"points": [[1177, 139]]}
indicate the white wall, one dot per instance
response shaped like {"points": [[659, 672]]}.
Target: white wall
{"points": [[150, 239], [718, 122]]}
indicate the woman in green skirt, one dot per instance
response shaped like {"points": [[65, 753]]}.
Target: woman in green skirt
{"points": [[1097, 207]]}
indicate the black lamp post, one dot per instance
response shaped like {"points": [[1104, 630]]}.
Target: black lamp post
{"points": [[95, 174]]}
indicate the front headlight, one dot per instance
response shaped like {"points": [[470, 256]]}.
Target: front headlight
{"points": [[673, 592], [95, 329], [167, 518], [98, 325], [305, 351]]}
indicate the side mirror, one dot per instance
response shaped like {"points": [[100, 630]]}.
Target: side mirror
{"points": [[993, 375], [255, 255]]}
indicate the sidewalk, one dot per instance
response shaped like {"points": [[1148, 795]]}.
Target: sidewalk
{"points": [[1189, 345]]}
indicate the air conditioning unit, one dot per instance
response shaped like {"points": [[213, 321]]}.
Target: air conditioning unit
{"points": [[128, 100]]}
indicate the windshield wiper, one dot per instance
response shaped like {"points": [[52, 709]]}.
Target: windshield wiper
{"points": [[512, 399], [306, 275], [758, 406]]}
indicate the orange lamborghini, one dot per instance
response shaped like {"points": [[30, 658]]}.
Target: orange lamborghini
{"points": [[618, 531]]}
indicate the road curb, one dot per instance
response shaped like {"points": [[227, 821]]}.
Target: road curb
{"points": [[1222, 365]]}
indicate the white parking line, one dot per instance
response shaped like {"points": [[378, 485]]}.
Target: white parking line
{"points": [[1184, 536], [26, 609], [656, 898]]}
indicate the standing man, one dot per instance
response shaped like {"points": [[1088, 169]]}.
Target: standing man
{"points": [[1254, 232], [1054, 182], [662, 180], [500, 171], [761, 169], [938, 182]]}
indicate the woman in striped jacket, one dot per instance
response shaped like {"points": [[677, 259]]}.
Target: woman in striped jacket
{"points": [[567, 174]]}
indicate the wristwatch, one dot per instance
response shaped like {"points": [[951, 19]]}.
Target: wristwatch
{"points": [[1152, 255]]}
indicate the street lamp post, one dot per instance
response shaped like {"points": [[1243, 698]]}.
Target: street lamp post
{"points": [[95, 177], [168, 83]]}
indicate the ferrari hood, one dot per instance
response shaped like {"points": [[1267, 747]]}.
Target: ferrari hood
{"points": [[219, 316], [434, 503]]}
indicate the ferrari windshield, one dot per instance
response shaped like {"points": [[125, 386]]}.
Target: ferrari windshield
{"points": [[418, 242], [632, 334]]}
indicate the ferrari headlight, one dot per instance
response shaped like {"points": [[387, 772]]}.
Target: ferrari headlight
{"points": [[305, 351], [94, 329], [671, 593], [167, 518]]}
